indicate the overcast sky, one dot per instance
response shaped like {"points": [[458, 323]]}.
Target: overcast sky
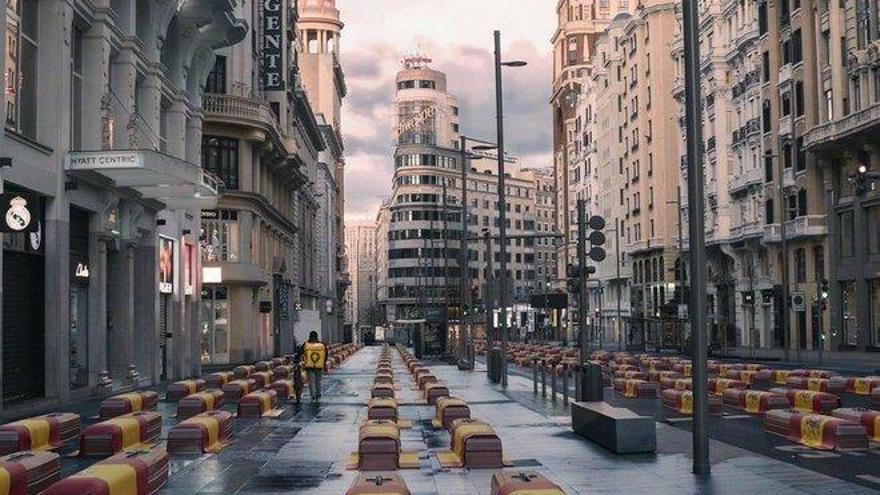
{"points": [[457, 35]]}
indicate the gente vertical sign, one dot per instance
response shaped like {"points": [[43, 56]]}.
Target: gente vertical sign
{"points": [[273, 36]]}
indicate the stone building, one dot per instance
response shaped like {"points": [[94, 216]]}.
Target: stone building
{"points": [[103, 138], [360, 248], [844, 81], [322, 77], [263, 141]]}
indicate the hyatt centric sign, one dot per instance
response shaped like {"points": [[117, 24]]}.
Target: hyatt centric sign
{"points": [[104, 160]]}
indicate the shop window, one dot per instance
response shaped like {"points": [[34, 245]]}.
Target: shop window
{"points": [[850, 322], [220, 237], [220, 157], [22, 49], [215, 325]]}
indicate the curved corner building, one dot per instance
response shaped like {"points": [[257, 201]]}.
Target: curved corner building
{"points": [[422, 247]]}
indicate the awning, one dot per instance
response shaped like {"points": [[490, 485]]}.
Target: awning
{"points": [[175, 182]]}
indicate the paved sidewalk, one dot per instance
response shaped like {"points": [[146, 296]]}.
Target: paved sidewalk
{"points": [[305, 451]]}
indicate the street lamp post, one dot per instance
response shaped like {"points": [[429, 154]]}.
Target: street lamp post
{"points": [[694, 127], [463, 255], [502, 200]]}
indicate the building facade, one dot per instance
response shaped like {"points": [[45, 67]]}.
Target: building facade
{"points": [[360, 248], [845, 80], [103, 131], [580, 23], [322, 77], [263, 141]]}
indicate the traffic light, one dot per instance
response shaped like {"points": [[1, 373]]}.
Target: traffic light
{"points": [[824, 294], [596, 238], [861, 180]]}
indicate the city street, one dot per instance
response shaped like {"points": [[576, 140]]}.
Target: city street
{"points": [[746, 431], [305, 449]]}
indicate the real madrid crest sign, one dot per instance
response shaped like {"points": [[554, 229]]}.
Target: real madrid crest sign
{"points": [[21, 213]]}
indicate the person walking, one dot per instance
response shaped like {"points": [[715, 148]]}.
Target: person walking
{"points": [[314, 359]]}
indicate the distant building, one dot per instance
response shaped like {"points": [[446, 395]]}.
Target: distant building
{"points": [[360, 248]]}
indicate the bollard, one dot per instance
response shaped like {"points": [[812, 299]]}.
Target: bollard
{"points": [[553, 382], [543, 378], [565, 384], [535, 375]]}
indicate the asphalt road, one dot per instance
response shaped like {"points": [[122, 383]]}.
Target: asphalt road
{"points": [[739, 429]]}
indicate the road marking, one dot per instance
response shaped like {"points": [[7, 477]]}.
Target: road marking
{"points": [[679, 420], [869, 477], [737, 416]]}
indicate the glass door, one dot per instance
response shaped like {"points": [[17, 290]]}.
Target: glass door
{"points": [[79, 337], [215, 325]]}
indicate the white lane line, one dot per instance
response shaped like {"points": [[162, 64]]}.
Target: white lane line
{"points": [[869, 477], [737, 416], [679, 420]]}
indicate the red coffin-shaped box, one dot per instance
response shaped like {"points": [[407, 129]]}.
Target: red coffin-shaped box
{"points": [[29, 473], [30, 434], [140, 472]]}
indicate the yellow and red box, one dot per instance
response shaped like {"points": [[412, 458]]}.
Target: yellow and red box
{"points": [[817, 431], [523, 483], [218, 379], [236, 389], [262, 379], [754, 401], [243, 371], [636, 389], [862, 385], [868, 418], [127, 432], [657, 376], [378, 484], [717, 386], [832, 385], [200, 402], [181, 389], [257, 404], [128, 403], [141, 472], [751, 377], [682, 401], [204, 433], [809, 401], [39, 433]]}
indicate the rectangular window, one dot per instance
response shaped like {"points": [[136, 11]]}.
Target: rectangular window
{"points": [[849, 297], [76, 88], [21, 67], [873, 218], [874, 311], [220, 157], [220, 236], [216, 83]]}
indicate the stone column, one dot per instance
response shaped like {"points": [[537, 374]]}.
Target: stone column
{"points": [[98, 358], [177, 131], [120, 327], [124, 75], [96, 67], [56, 243], [145, 290], [149, 97], [194, 139]]}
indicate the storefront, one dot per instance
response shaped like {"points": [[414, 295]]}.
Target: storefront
{"points": [[80, 276], [24, 270]]}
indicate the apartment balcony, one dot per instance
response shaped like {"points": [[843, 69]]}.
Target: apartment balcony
{"points": [[862, 124], [746, 230], [785, 126], [799, 228], [242, 111], [785, 73], [742, 181]]}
